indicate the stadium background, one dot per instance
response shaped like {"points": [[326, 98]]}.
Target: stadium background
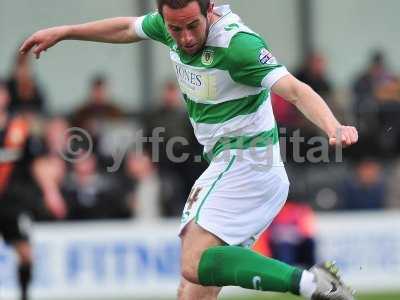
{"points": [[346, 34]]}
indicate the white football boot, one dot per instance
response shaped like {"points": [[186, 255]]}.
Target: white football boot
{"points": [[329, 284]]}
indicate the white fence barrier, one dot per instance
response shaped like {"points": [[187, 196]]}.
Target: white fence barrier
{"points": [[138, 260]]}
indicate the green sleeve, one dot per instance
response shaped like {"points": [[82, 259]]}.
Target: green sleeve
{"points": [[154, 27], [250, 60]]}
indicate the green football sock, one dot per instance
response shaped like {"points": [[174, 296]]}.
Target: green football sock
{"points": [[236, 266]]}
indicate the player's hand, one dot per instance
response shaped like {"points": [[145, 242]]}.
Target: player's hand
{"points": [[42, 40], [344, 136]]}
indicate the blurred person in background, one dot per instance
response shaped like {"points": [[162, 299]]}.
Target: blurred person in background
{"points": [[73, 177], [90, 195], [388, 97], [150, 193], [52, 166], [375, 75], [144, 196], [291, 236], [313, 72], [393, 194], [19, 166], [26, 94], [172, 118], [219, 89], [98, 110], [98, 107], [366, 189], [376, 108]]}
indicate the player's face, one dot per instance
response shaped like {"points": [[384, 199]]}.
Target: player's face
{"points": [[188, 27]]}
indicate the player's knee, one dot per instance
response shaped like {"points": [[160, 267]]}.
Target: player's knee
{"points": [[189, 267], [189, 272]]}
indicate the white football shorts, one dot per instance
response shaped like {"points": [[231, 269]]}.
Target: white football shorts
{"points": [[238, 195]]}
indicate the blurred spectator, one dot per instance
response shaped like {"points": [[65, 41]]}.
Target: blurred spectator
{"points": [[20, 176], [313, 73], [55, 136], [98, 111], [87, 194], [19, 149], [90, 195], [388, 97], [177, 133], [26, 95], [393, 199], [365, 85], [151, 193], [365, 190], [291, 236], [376, 108], [97, 108], [53, 167], [144, 197], [19, 168]]}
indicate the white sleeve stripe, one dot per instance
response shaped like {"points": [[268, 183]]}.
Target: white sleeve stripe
{"points": [[274, 76], [139, 28]]}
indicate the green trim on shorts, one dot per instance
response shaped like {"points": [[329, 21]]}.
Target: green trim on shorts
{"points": [[212, 187]]}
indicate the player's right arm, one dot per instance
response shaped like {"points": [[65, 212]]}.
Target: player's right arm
{"points": [[114, 30]]}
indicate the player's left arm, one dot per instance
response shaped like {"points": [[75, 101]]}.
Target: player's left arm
{"points": [[315, 109], [252, 63]]}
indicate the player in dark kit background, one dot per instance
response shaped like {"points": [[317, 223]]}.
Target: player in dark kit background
{"points": [[18, 168]]}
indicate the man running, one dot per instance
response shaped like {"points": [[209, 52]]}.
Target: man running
{"points": [[226, 73]]}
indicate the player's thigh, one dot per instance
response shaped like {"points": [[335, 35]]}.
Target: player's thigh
{"points": [[195, 240], [191, 291]]}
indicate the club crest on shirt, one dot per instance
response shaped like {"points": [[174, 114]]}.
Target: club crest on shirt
{"points": [[208, 57], [266, 57]]}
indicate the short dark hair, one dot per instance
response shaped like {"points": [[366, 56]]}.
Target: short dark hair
{"points": [[176, 4]]}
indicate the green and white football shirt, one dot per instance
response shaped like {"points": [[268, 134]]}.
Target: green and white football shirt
{"points": [[226, 86]]}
